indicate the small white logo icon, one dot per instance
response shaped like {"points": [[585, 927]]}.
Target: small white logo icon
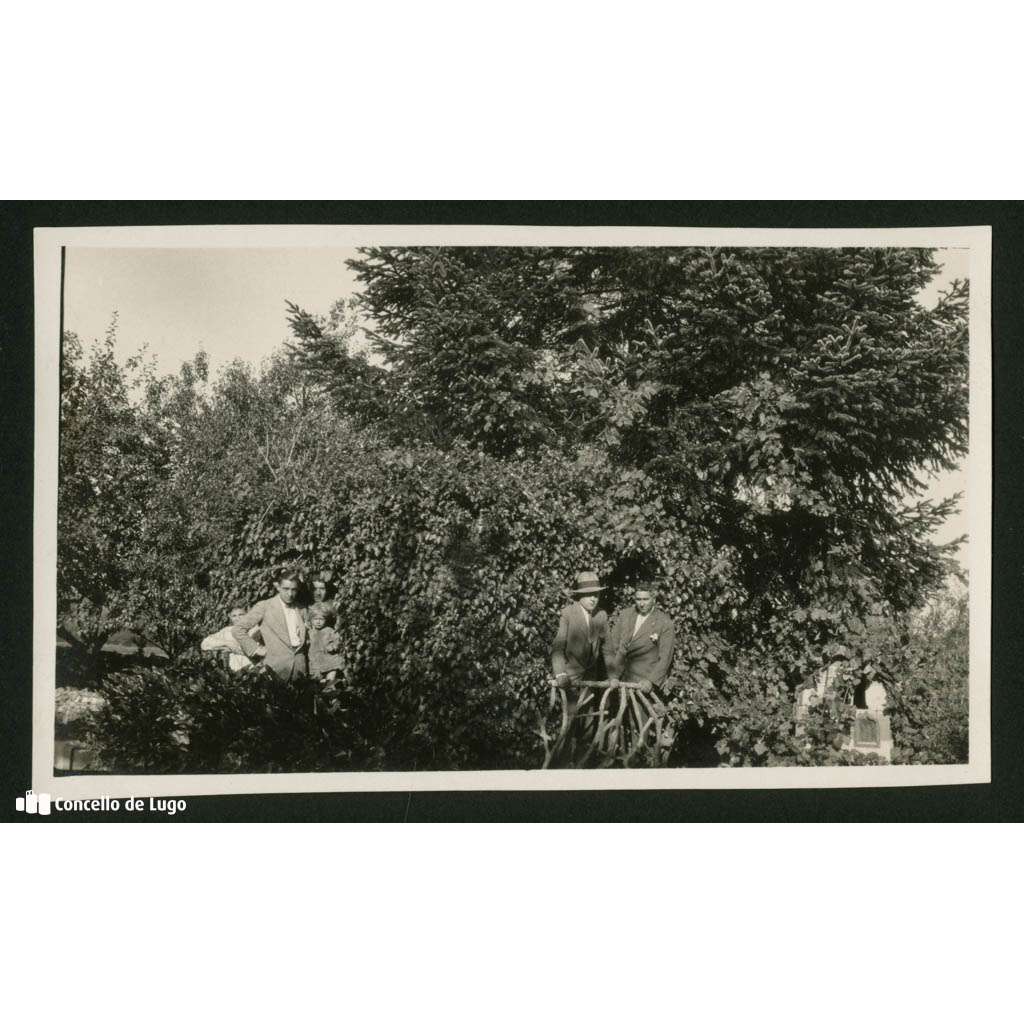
{"points": [[30, 803]]}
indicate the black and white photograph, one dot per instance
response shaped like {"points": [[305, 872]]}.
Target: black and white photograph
{"points": [[467, 508], [681, 528]]}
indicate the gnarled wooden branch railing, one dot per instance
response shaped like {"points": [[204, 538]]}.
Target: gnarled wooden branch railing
{"points": [[603, 723]]}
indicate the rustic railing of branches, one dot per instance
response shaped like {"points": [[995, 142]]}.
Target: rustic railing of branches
{"points": [[602, 724]]}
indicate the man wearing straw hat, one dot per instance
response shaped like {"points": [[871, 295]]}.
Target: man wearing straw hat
{"points": [[581, 633]]}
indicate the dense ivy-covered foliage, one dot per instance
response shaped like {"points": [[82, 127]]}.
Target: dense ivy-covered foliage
{"points": [[450, 568]]}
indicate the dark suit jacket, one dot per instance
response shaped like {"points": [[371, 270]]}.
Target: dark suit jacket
{"points": [[286, 661], [633, 659], [576, 649]]}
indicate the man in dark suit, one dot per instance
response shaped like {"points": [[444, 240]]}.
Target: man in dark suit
{"points": [[283, 627], [581, 632], [640, 643]]}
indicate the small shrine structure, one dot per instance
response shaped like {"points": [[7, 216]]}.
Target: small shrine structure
{"points": [[870, 731]]}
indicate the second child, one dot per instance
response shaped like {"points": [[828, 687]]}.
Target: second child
{"points": [[324, 645]]}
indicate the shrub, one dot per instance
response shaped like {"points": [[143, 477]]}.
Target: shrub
{"points": [[199, 717], [929, 700]]}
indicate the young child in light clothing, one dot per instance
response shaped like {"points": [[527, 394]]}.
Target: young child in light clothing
{"points": [[324, 644]]}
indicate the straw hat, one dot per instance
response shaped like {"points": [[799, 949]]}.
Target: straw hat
{"points": [[587, 583]]}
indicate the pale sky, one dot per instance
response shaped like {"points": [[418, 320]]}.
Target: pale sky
{"points": [[945, 485], [231, 303]]}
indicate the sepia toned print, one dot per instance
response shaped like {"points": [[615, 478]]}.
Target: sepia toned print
{"points": [[421, 508]]}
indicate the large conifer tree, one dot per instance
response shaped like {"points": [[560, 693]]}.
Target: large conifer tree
{"points": [[788, 399]]}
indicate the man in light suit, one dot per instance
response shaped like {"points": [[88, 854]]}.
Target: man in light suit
{"points": [[640, 643], [284, 630], [581, 632]]}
